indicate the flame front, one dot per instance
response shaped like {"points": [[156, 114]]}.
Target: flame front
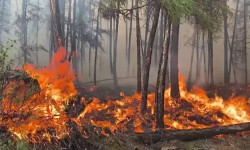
{"points": [[43, 112], [43, 115]]}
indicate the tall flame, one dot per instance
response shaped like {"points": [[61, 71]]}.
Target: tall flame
{"points": [[43, 114], [44, 111]]}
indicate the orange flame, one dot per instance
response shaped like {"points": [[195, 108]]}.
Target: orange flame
{"points": [[43, 114], [45, 111]]}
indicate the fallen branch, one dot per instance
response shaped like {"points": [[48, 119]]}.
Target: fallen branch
{"points": [[189, 135]]}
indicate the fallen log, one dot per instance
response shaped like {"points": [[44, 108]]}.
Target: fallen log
{"points": [[189, 135]]}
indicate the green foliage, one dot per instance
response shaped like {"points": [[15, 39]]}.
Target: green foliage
{"points": [[22, 146], [112, 4], [179, 9], [4, 63], [110, 8], [9, 145], [4, 55], [209, 14], [112, 143]]}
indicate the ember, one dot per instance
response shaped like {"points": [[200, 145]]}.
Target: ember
{"points": [[42, 115]]}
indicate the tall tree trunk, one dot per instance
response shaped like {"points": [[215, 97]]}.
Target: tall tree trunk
{"points": [[101, 37], [204, 55], [156, 44], [174, 70], [115, 49], [226, 72], [92, 26], [96, 47], [144, 51], [111, 45], [126, 22], [83, 49], [2, 18], [162, 31], [149, 57], [160, 86], [56, 22], [24, 30], [73, 40], [81, 39], [197, 56], [189, 82], [138, 36], [68, 27], [37, 31], [231, 64], [62, 15], [51, 31], [211, 49], [245, 40], [90, 55], [130, 35]]}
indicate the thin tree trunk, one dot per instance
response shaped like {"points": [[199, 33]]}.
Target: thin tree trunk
{"points": [[62, 11], [51, 41], [226, 72], [73, 40], [233, 37], [174, 72], [100, 33], [110, 45], [90, 51], [81, 8], [204, 55], [37, 32], [138, 35], [156, 43], [197, 56], [56, 22], [24, 30], [210, 49], [83, 48], [68, 27], [231, 62], [245, 40], [96, 47], [2, 17], [126, 22], [90, 48], [189, 82], [160, 87], [130, 35], [162, 32], [149, 57], [146, 36], [115, 49]]}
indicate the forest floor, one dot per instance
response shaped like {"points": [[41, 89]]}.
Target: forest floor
{"points": [[228, 143], [123, 141]]}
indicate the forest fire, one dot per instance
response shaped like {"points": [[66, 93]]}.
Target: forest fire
{"points": [[43, 115], [44, 111]]}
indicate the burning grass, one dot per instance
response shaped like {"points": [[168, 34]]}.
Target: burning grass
{"points": [[43, 116]]}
